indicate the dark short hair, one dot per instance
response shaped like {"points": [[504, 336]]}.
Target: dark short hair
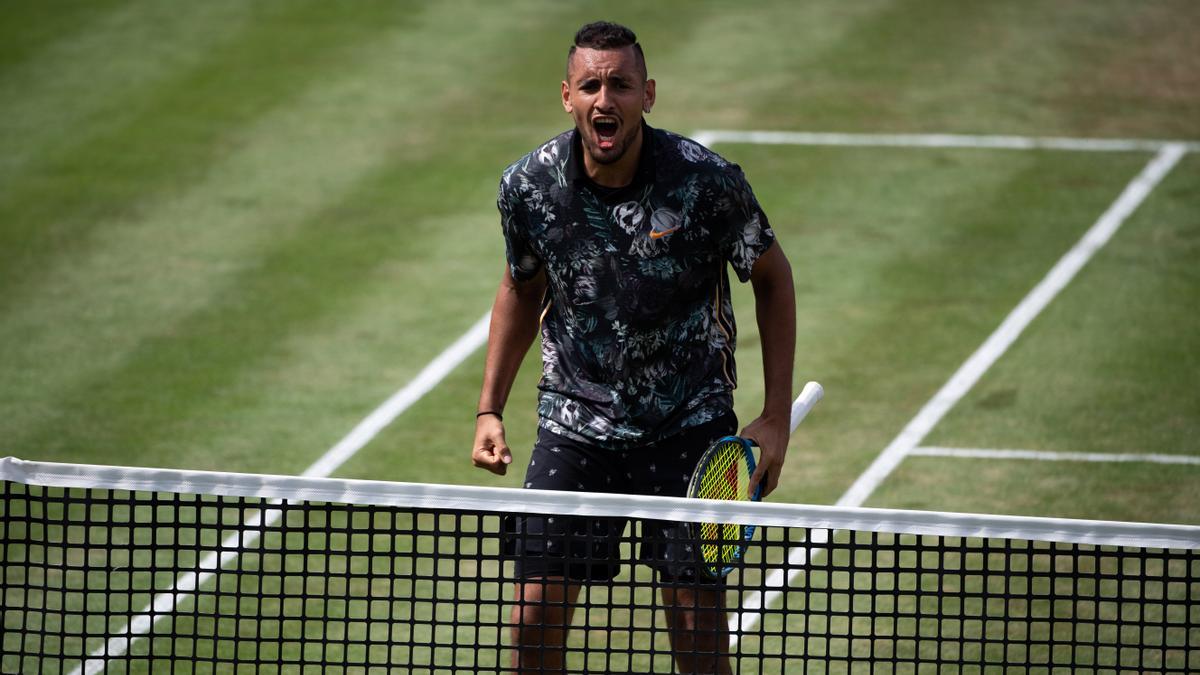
{"points": [[607, 35]]}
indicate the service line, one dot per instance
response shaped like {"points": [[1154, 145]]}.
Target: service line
{"points": [[1052, 456], [1167, 156], [1017, 321]]}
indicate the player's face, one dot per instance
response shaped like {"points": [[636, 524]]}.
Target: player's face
{"points": [[606, 94]]}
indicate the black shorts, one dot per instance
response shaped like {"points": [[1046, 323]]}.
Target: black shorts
{"points": [[588, 548]]}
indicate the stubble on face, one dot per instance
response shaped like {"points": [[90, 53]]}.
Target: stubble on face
{"points": [[606, 94]]}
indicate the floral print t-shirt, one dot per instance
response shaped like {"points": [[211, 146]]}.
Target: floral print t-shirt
{"points": [[637, 327]]}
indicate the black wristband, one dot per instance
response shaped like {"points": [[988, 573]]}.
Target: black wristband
{"points": [[489, 412]]}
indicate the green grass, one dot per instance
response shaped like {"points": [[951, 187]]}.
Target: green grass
{"points": [[352, 585], [903, 269], [1114, 491], [1111, 365], [223, 248], [228, 231]]}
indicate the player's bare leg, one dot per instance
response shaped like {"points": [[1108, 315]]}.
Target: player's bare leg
{"points": [[541, 618], [699, 629]]}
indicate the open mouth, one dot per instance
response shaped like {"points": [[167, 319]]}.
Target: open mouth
{"points": [[606, 131]]}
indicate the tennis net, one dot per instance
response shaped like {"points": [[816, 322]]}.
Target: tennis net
{"points": [[123, 569]]}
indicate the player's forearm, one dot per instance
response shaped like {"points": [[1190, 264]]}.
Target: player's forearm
{"points": [[513, 327], [775, 310]]}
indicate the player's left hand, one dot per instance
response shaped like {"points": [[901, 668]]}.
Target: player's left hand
{"points": [[771, 435]]}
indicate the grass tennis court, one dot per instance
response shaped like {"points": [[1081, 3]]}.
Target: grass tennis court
{"points": [[222, 248], [230, 231]]}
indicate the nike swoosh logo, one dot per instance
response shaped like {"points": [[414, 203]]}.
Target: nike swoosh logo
{"points": [[655, 234]]}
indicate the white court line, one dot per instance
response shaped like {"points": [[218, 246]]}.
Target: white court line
{"points": [[973, 369], [710, 136], [389, 410], [1052, 456], [163, 604], [998, 342]]}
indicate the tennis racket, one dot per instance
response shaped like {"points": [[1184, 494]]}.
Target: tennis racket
{"points": [[723, 472]]}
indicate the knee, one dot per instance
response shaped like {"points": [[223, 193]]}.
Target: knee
{"points": [[542, 611], [691, 610], [539, 632], [536, 615]]}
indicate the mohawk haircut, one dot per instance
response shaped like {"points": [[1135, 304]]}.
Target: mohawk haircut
{"points": [[607, 35]]}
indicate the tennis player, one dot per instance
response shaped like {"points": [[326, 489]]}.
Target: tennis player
{"points": [[618, 240]]}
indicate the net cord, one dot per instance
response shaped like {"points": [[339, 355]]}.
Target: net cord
{"points": [[515, 500]]}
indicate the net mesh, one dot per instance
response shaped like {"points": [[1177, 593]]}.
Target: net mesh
{"points": [[134, 580]]}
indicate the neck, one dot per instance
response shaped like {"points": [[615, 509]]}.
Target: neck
{"points": [[621, 172]]}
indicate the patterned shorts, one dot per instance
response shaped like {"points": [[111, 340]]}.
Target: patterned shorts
{"points": [[588, 549]]}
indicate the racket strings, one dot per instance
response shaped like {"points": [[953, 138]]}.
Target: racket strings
{"points": [[725, 477]]}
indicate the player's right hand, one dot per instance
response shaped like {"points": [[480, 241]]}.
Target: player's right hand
{"points": [[491, 450]]}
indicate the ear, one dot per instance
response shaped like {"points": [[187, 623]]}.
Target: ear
{"points": [[648, 98], [566, 98]]}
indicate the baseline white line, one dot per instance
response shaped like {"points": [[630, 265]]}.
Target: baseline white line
{"points": [[710, 136], [974, 368], [1052, 456], [163, 603]]}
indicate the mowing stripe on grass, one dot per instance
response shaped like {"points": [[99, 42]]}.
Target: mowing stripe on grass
{"points": [[163, 604], [426, 380], [710, 136], [1168, 155], [1012, 327], [1052, 456], [969, 373]]}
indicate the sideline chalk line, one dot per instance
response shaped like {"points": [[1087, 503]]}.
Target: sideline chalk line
{"points": [[1168, 155], [164, 602], [1025, 312]]}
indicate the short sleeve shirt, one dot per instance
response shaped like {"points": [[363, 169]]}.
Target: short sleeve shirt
{"points": [[637, 328]]}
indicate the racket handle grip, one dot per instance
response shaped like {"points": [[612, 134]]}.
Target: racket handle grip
{"points": [[809, 396]]}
